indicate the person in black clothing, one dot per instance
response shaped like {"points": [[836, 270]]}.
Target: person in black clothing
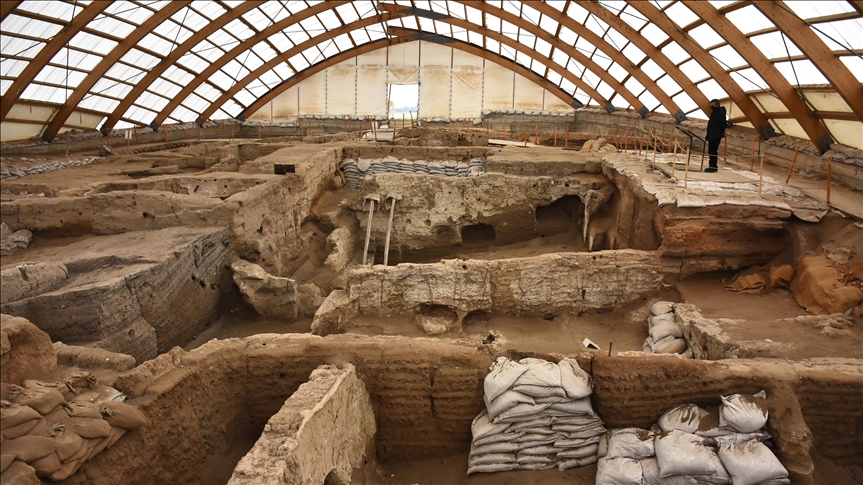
{"points": [[716, 126]]}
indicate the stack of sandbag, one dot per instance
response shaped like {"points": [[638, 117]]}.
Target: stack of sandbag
{"points": [[538, 416], [666, 335], [355, 170], [56, 426], [728, 444]]}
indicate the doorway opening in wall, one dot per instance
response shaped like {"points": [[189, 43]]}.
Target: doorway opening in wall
{"points": [[403, 100]]}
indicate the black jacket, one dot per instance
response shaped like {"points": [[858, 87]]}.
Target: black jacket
{"points": [[716, 125]]}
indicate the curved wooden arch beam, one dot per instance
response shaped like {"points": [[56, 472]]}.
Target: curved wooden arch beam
{"points": [[181, 50], [525, 50], [317, 40], [51, 48], [752, 113], [404, 36], [817, 51], [653, 53], [236, 51], [602, 45], [7, 7], [107, 62], [789, 96]]}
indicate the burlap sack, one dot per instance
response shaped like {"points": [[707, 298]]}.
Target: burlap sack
{"points": [[82, 410], [46, 465], [66, 390], [67, 443], [123, 415], [66, 470], [29, 448], [43, 400], [20, 430], [5, 461], [750, 283], [817, 287], [781, 275], [15, 414], [81, 381]]}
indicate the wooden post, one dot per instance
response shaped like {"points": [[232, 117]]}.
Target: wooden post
{"points": [[450, 124], [136, 135], [761, 174], [566, 140], [487, 128], [536, 137], [468, 125], [752, 155], [686, 171], [626, 140], [555, 135], [67, 142], [791, 168], [654, 149], [674, 159], [829, 177], [725, 150], [374, 128], [526, 135], [199, 132]]}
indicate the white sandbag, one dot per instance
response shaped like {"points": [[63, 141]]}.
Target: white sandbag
{"points": [[536, 466], [520, 412], [577, 407], [673, 346], [578, 442], [536, 439], [719, 477], [744, 413], [568, 463], [533, 423], [538, 450], [579, 452], [492, 458], [551, 398], [680, 453], [585, 433], [688, 353], [491, 468], [662, 307], [575, 381], [650, 474], [545, 393], [539, 373], [656, 320], [709, 426], [618, 471], [499, 437], [664, 329], [532, 459], [581, 419], [632, 443], [501, 376], [505, 401], [683, 417], [603, 445], [503, 447], [482, 426], [749, 462]]}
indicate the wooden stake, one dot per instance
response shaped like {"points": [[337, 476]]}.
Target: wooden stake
{"points": [[504, 129], [674, 159], [450, 124], [725, 150], [761, 175], [654, 148], [536, 137], [752, 155], [526, 135], [791, 168], [199, 132], [686, 171], [67, 142], [374, 128], [829, 177]]}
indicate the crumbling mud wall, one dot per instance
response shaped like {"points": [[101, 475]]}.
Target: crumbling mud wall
{"points": [[426, 392], [138, 293], [364, 150], [550, 284], [326, 425]]}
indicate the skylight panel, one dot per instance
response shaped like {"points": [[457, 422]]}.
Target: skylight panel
{"points": [[559, 57], [728, 57], [584, 46], [567, 36], [607, 91], [14, 46], [548, 24], [543, 47], [136, 15], [39, 92], [685, 102], [196, 103], [693, 70], [680, 14], [844, 33], [633, 53], [508, 29], [244, 97], [443, 28], [55, 75], [112, 26], [156, 44], [328, 19], [264, 51], [576, 68], [283, 70], [507, 52], [652, 69], [590, 78], [705, 36], [821, 8], [459, 34], [456, 10], [576, 12], [257, 18], [649, 101], [231, 108], [110, 88], [668, 85], [124, 72], [475, 38], [152, 101], [139, 114], [712, 89], [221, 39], [805, 71], [492, 45], [749, 80], [603, 62], [33, 28], [583, 98], [522, 58], [617, 71], [616, 39], [410, 22], [511, 7], [567, 86], [422, 4], [177, 75], [57, 10], [717, 4], [654, 34], [347, 13], [633, 17], [749, 19], [299, 62], [343, 42], [554, 77], [596, 25], [170, 29], [633, 85], [538, 67], [256, 88], [207, 92], [269, 79], [239, 29], [529, 13], [855, 65], [295, 6], [526, 38], [194, 63], [360, 36], [182, 113], [675, 53], [619, 101], [375, 33], [426, 24], [77, 59], [251, 61], [220, 78], [492, 23], [165, 88], [329, 49], [660, 3], [313, 54], [365, 9], [98, 103], [772, 45]]}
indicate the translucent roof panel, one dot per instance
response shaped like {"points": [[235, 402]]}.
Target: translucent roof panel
{"points": [[195, 55]]}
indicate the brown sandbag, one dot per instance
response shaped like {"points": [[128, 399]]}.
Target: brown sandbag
{"points": [[81, 381], [47, 465], [781, 275], [20, 430], [66, 470], [750, 283], [68, 444], [90, 428], [29, 448], [12, 415], [97, 446], [99, 395], [5, 461], [123, 415], [82, 410], [116, 434], [66, 390], [19, 473], [818, 287], [42, 399], [81, 454]]}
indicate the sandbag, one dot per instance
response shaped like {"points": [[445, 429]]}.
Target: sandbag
{"points": [[46, 465], [67, 443], [659, 319], [81, 381], [661, 308], [42, 399], [748, 283], [506, 400], [482, 427], [539, 422], [586, 433], [574, 380], [579, 452], [679, 453], [602, 451], [12, 415], [520, 412], [89, 428], [123, 415], [781, 275], [674, 346], [20, 430], [580, 419], [545, 438], [116, 434], [744, 413], [577, 407], [538, 450], [99, 395], [491, 468], [539, 373], [29, 448], [568, 463], [749, 462], [662, 330], [494, 448], [546, 393], [96, 446], [683, 417], [82, 410], [618, 471], [551, 398], [650, 474], [66, 470], [493, 438], [67, 391], [536, 466], [632, 443], [501, 376], [5, 461], [492, 458], [532, 459], [578, 442]]}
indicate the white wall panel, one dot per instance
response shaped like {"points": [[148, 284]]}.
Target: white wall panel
{"points": [[371, 90], [376, 57], [555, 104], [466, 92], [434, 92], [313, 95], [404, 55], [497, 93], [11, 131], [341, 89], [528, 95], [432, 54]]}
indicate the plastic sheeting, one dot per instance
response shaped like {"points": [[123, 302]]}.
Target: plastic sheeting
{"points": [[497, 93], [434, 99], [341, 88], [313, 94], [528, 95], [466, 97], [371, 91]]}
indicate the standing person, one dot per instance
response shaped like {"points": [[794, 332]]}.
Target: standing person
{"points": [[716, 126]]}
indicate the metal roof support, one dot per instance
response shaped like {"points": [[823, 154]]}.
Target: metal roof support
{"points": [[181, 50], [107, 62], [52, 47], [824, 59], [755, 116], [789, 96]]}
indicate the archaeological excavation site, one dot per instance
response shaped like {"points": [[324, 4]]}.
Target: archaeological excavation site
{"points": [[431, 243]]}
